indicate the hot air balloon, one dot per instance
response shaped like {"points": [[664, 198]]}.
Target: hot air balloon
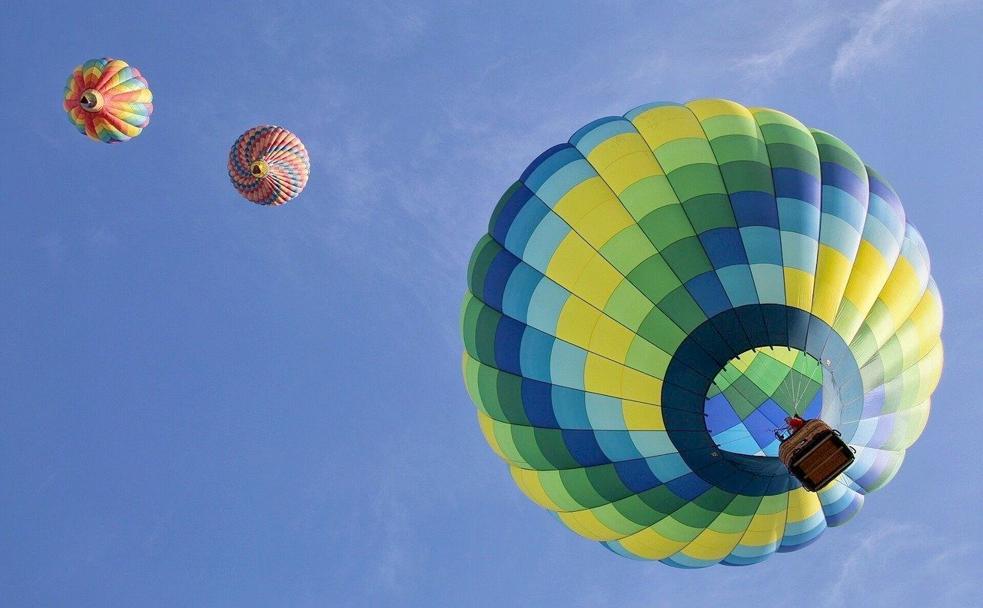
{"points": [[108, 100], [654, 298], [269, 165]]}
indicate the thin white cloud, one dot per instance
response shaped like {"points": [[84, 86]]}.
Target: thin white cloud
{"points": [[789, 42], [877, 33], [933, 562]]}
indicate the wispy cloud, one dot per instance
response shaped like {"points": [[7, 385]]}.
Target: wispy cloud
{"points": [[393, 545], [392, 27], [798, 36], [944, 566], [861, 39], [884, 563], [878, 33]]}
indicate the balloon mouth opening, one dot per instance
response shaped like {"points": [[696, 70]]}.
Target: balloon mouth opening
{"points": [[259, 169], [694, 428], [91, 101], [753, 394]]}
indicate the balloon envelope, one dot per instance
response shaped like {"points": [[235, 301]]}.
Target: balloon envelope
{"points": [[269, 165], [655, 296], [108, 100]]}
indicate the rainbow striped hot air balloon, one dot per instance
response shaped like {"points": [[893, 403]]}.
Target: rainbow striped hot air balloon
{"points": [[654, 297], [108, 100], [269, 165]]}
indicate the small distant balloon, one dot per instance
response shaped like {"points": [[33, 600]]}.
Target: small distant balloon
{"points": [[108, 100], [269, 165]]}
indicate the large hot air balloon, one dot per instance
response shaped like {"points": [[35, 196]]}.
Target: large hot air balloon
{"points": [[108, 100], [269, 165], [654, 298]]}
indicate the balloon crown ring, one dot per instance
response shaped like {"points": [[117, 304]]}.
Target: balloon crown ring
{"points": [[91, 100], [259, 168]]}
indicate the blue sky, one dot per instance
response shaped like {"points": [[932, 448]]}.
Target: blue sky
{"points": [[208, 403]]}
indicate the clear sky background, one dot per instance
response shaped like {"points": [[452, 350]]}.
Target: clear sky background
{"points": [[208, 403]]}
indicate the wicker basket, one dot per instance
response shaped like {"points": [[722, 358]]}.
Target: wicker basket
{"points": [[815, 455]]}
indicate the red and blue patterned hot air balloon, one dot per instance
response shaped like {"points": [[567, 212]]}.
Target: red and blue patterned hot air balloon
{"points": [[108, 100], [269, 165]]}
